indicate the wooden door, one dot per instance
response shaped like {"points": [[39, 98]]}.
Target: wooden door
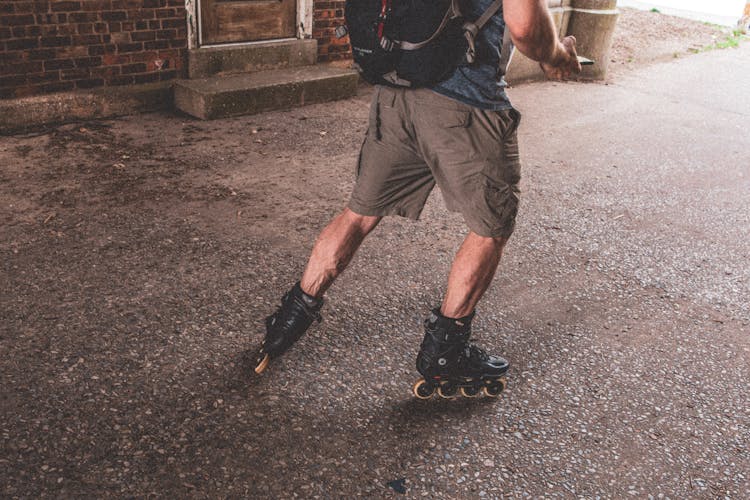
{"points": [[226, 21]]}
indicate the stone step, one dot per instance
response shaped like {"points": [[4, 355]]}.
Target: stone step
{"points": [[259, 56], [249, 93]]}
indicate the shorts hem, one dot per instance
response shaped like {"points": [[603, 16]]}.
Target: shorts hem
{"points": [[381, 212]]}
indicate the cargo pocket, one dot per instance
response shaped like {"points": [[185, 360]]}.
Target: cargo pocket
{"points": [[502, 201]]}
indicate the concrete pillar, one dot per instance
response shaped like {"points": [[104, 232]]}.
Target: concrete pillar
{"points": [[744, 22], [592, 22]]}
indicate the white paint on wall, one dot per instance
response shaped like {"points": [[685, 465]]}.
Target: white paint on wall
{"points": [[304, 18], [191, 7], [724, 12]]}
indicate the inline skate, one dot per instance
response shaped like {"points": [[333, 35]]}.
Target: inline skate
{"points": [[287, 324], [449, 363]]}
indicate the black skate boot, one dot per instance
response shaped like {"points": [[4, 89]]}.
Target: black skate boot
{"points": [[285, 326], [450, 363]]}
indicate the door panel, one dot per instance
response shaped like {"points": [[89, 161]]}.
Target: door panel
{"points": [[225, 21]]}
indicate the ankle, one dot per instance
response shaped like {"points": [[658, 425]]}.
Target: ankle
{"points": [[310, 300]]}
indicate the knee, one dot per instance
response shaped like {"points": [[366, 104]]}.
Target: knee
{"points": [[361, 224], [496, 243]]}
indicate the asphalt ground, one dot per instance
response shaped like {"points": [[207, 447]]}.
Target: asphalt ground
{"points": [[140, 256]]}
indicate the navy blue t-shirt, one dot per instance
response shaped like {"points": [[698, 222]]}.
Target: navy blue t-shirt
{"points": [[482, 84]]}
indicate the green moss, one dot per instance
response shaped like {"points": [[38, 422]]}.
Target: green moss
{"points": [[731, 40]]}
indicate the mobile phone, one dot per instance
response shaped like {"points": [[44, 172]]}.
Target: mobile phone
{"points": [[585, 61]]}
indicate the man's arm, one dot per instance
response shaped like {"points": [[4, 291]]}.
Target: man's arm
{"points": [[534, 33]]}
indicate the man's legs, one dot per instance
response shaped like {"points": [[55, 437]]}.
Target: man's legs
{"points": [[334, 250], [471, 274], [300, 306], [447, 361]]}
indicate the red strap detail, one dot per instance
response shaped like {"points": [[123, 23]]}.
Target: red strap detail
{"points": [[384, 4]]}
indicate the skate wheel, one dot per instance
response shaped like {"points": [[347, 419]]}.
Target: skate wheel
{"points": [[422, 389], [470, 392], [447, 391], [262, 364], [495, 389]]}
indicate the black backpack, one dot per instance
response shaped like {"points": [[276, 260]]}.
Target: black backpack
{"points": [[410, 43]]}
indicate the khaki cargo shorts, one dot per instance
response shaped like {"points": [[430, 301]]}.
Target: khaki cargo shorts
{"points": [[417, 138]]}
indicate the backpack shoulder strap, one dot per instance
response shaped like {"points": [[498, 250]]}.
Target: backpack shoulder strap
{"points": [[487, 14], [471, 29]]}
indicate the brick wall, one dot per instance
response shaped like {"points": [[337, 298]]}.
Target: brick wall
{"points": [[327, 15], [58, 45]]}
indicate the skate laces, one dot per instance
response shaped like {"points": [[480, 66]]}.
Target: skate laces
{"points": [[473, 351], [298, 308]]}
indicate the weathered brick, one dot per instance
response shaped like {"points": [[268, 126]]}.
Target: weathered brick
{"points": [[8, 58], [157, 44], [162, 13], [86, 39], [89, 83], [96, 5], [74, 74], [139, 15], [106, 72], [49, 76], [21, 68], [172, 23], [85, 28], [56, 64], [166, 34], [83, 17], [65, 6], [16, 20], [133, 68], [57, 87], [116, 15], [88, 62], [33, 31], [129, 47], [12, 81], [22, 44], [114, 59], [55, 41], [41, 54], [96, 50], [23, 7], [144, 57]]}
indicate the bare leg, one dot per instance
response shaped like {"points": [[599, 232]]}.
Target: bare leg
{"points": [[334, 250], [471, 274]]}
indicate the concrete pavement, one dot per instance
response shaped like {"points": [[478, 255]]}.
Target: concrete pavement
{"points": [[140, 255]]}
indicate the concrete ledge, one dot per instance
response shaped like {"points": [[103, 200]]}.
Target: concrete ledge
{"points": [[206, 62], [17, 115], [249, 93]]}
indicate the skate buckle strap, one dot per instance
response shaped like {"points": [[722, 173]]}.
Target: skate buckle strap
{"points": [[310, 311]]}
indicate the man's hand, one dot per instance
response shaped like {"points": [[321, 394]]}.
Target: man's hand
{"points": [[565, 61]]}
